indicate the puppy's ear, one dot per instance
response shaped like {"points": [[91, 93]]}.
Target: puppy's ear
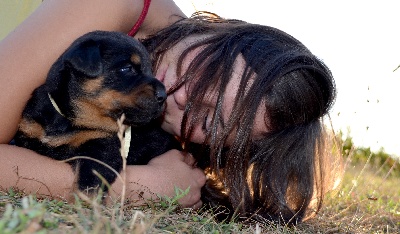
{"points": [[85, 57]]}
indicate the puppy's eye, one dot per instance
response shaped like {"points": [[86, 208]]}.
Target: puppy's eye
{"points": [[127, 69]]}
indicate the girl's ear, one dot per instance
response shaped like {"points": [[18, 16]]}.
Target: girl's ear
{"points": [[85, 58]]}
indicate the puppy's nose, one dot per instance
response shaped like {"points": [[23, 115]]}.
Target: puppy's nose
{"points": [[161, 95]]}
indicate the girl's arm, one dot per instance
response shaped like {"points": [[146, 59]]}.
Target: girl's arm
{"points": [[32, 173]]}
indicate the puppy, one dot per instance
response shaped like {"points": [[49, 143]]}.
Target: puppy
{"points": [[101, 76]]}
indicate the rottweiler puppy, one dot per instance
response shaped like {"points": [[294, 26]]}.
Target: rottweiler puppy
{"points": [[101, 76]]}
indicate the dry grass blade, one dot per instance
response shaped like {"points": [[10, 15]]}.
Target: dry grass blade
{"points": [[124, 155]]}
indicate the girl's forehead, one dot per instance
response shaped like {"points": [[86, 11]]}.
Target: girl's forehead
{"points": [[260, 126]]}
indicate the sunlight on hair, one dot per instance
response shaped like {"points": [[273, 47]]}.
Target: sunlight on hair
{"points": [[250, 181]]}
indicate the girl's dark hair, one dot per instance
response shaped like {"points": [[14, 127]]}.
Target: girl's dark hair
{"points": [[275, 177]]}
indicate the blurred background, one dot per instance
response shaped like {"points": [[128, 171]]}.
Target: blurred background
{"points": [[358, 40]]}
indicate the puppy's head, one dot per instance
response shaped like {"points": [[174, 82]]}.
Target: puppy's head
{"points": [[103, 75]]}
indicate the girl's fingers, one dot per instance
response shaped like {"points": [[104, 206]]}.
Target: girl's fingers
{"points": [[189, 160]]}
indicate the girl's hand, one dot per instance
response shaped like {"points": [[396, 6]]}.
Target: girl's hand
{"points": [[162, 174], [176, 169]]}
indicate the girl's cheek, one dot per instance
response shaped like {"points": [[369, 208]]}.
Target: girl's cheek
{"points": [[198, 135], [180, 97]]}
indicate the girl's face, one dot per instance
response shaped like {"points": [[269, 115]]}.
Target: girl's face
{"points": [[176, 102]]}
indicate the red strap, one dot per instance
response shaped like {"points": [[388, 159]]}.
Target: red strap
{"points": [[142, 16]]}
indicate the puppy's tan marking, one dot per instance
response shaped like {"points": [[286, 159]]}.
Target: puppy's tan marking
{"points": [[93, 85], [93, 115], [82, 137], [75, 139], [35, 130], [112, 100], [135, 58], [145, 91], [31, 129]]}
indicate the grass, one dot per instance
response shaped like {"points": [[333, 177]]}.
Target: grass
{"points": [[26, 213], [367, 202]]}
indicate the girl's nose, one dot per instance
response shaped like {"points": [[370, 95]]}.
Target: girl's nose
{"points": [[180, 97]]}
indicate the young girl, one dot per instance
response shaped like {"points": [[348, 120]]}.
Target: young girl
{"points": [[251, 95], [255, 97]]}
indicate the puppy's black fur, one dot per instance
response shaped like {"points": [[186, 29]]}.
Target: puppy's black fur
{"points": [[101, 76]]}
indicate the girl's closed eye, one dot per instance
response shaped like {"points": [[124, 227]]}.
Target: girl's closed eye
{"points": [[206, 121]]}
